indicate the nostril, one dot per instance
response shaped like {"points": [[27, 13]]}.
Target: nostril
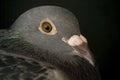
{"points": [[64, 40]]}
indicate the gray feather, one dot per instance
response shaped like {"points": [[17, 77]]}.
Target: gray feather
{"points": [[28, 54]]}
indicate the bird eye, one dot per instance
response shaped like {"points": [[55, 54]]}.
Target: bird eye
{"points": [[46, 27]]}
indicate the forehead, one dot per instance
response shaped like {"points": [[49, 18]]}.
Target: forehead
{"points": [[63, 19], [52, 12]]}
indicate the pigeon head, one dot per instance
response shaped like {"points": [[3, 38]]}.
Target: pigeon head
{"points": [[51, 34], [45, 27]]}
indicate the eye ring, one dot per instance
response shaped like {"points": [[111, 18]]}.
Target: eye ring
{"points": [[46, 27]]}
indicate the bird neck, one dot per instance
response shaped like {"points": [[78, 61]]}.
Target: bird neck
{"points": [[82, 70]]}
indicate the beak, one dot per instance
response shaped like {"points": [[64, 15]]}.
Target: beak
{"points": [[80, 47]]}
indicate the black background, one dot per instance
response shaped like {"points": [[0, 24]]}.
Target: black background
{"points": [[98, 23]]}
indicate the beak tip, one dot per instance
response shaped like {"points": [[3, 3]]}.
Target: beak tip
{"points": [[77, 43]]}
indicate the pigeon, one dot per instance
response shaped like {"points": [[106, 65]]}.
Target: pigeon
{"points": [[45, 43]]}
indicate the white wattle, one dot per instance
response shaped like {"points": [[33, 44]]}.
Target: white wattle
{"points": [[79, 41], [75, 40]]}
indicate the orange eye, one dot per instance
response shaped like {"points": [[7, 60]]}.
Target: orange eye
{"points": [[46, 27]]}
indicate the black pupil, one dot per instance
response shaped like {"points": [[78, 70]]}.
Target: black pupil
{"points": [[47, 27]]}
